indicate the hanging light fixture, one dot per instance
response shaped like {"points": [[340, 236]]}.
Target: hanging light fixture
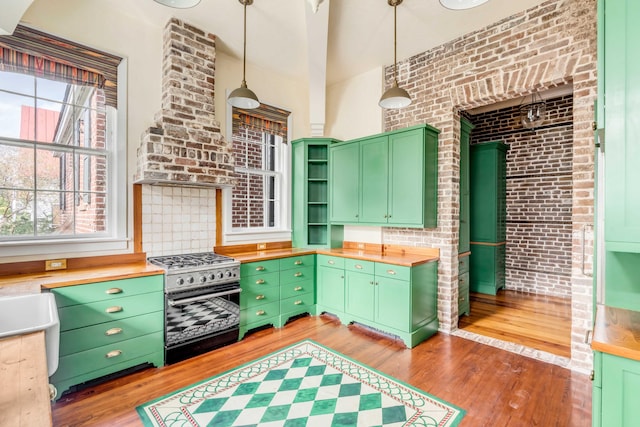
{"points": [[243, 97], [532, 115], [179, 4], [461, 4], [395, 97]]}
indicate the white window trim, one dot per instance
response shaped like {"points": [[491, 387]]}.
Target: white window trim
{"points": [[283, 232], [118, 241]]}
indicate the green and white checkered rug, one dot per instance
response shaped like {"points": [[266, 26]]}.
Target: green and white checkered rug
{"points": [[305, 384]]}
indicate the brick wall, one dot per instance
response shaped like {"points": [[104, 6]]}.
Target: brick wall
{"points": [[539, 195], [185, 144], [247, 196], [549, 45]]}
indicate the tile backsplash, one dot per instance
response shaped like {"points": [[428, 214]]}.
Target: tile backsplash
{"points": [[178, 220]]}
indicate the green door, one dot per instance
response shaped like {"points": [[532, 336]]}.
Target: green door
{"points": [[374, 172], [393, 299], [344, 182], [360, 295], [330, 288], [406, 178], [620, 391]]}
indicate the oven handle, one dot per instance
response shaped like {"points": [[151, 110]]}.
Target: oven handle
{"points": [[173, 302]]}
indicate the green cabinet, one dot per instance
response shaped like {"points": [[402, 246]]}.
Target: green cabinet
{"points": [[398, 300], [107, 327], [616, 390], [465, 189], [488, 213], [388, 179], [464, 305], [310, 195]]}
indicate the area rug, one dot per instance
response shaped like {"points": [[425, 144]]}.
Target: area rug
{"points": [[305, 384]]}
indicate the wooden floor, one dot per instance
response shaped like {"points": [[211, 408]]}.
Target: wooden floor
{"points": [[536, 321], [495, 387]]}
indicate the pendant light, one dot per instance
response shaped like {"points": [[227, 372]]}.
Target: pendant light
{"points": [[461, 4], [532, 115], [243, 97], [179, 4], [395, 97]]}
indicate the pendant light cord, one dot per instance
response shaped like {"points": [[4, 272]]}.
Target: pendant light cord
{"points": [[244, 49], [395, 59]]}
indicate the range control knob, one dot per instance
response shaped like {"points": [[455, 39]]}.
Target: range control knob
{"points": [[212, 276], [203, 279], [190, 280], [180, 281], [220, 275], [228, 274]]}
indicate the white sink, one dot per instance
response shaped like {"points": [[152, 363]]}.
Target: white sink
{"points": [[30, 313]]}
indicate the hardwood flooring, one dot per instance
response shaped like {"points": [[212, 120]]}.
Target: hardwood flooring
{"points": [[536, 321], [495, 387]]}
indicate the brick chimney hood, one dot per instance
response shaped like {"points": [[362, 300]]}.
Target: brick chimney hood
{"points": [[185, 146]]}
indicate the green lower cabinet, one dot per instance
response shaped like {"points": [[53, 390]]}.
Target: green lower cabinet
{"points": [[360, 295], [620, 378], [464, 304], [330, 285], [487, 268]]}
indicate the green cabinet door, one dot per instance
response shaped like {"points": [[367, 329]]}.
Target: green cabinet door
{"points": [[360, 295], [374, 172], [620, 391], [406, 183], [393, 299], [621, 105], [330, 289], [464, 227], [344, 167]]}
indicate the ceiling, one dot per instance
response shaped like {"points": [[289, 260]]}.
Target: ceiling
{"points": [[360, 31]]}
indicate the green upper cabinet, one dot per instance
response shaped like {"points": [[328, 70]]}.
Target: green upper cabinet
{"points": [[397, 180], [310, 195], [620, 95], [464, 228], [344, 167]]}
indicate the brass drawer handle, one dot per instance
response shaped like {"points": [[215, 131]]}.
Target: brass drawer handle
{"points": [[358, 266], [113, 331], [461, 298], [331, 262], [260, 313], [114, 309], [298, 262], [298, 302], [259, 268], [260, 282], [112, 291], [113, 353], [392, 272], [259, 297], [298, 274], [297, 288]]}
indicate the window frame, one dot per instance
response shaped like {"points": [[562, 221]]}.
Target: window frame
{"points": [[281, 232]]}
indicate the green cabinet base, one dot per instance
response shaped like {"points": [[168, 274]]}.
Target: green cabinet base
{"points": [[410, 339], [487, 267]]}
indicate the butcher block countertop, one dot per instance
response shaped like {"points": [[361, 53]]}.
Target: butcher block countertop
{"points": [[617, 332], [24, 394]]}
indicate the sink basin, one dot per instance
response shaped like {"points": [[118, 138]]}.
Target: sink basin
{"points": [[30, 313]]}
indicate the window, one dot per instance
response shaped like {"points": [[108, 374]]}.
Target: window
{"points": [[257, 206], [58, 169]]}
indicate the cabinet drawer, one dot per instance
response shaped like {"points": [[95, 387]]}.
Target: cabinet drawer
{"points": [[296, 288], [258, 314], [104, 356], [300, 302], [296, 275], [463, 281], [77, 316], [262, 280], [330, 261], [393, 271], [297, 262], [82, 339], [463, 264], [358, 265], [113, 289], [255, 296], [259, 267]]}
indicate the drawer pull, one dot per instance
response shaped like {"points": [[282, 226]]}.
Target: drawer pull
{"points": [[260, 313], [298, 262], [297, 288], [298, 274], [331, 262], [113, 331], [358, 266], [259, 297], [298, 302], [114, 309], [392, 272], [113, 353], [461, 298], [371, 283], [112, 291], [260, 282], [259, 268]]}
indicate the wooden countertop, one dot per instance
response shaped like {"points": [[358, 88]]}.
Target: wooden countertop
{"points": [[16, 284], [407, 259], [617, 332], [24, 395], [268, 254]]}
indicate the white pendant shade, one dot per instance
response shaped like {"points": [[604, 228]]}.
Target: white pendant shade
{"points": [[243, 97], [461, 4], [395, 97], [179, 4]]}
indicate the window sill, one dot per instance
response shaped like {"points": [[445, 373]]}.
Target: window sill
{"points": [[39, 249], [257, 236]]}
